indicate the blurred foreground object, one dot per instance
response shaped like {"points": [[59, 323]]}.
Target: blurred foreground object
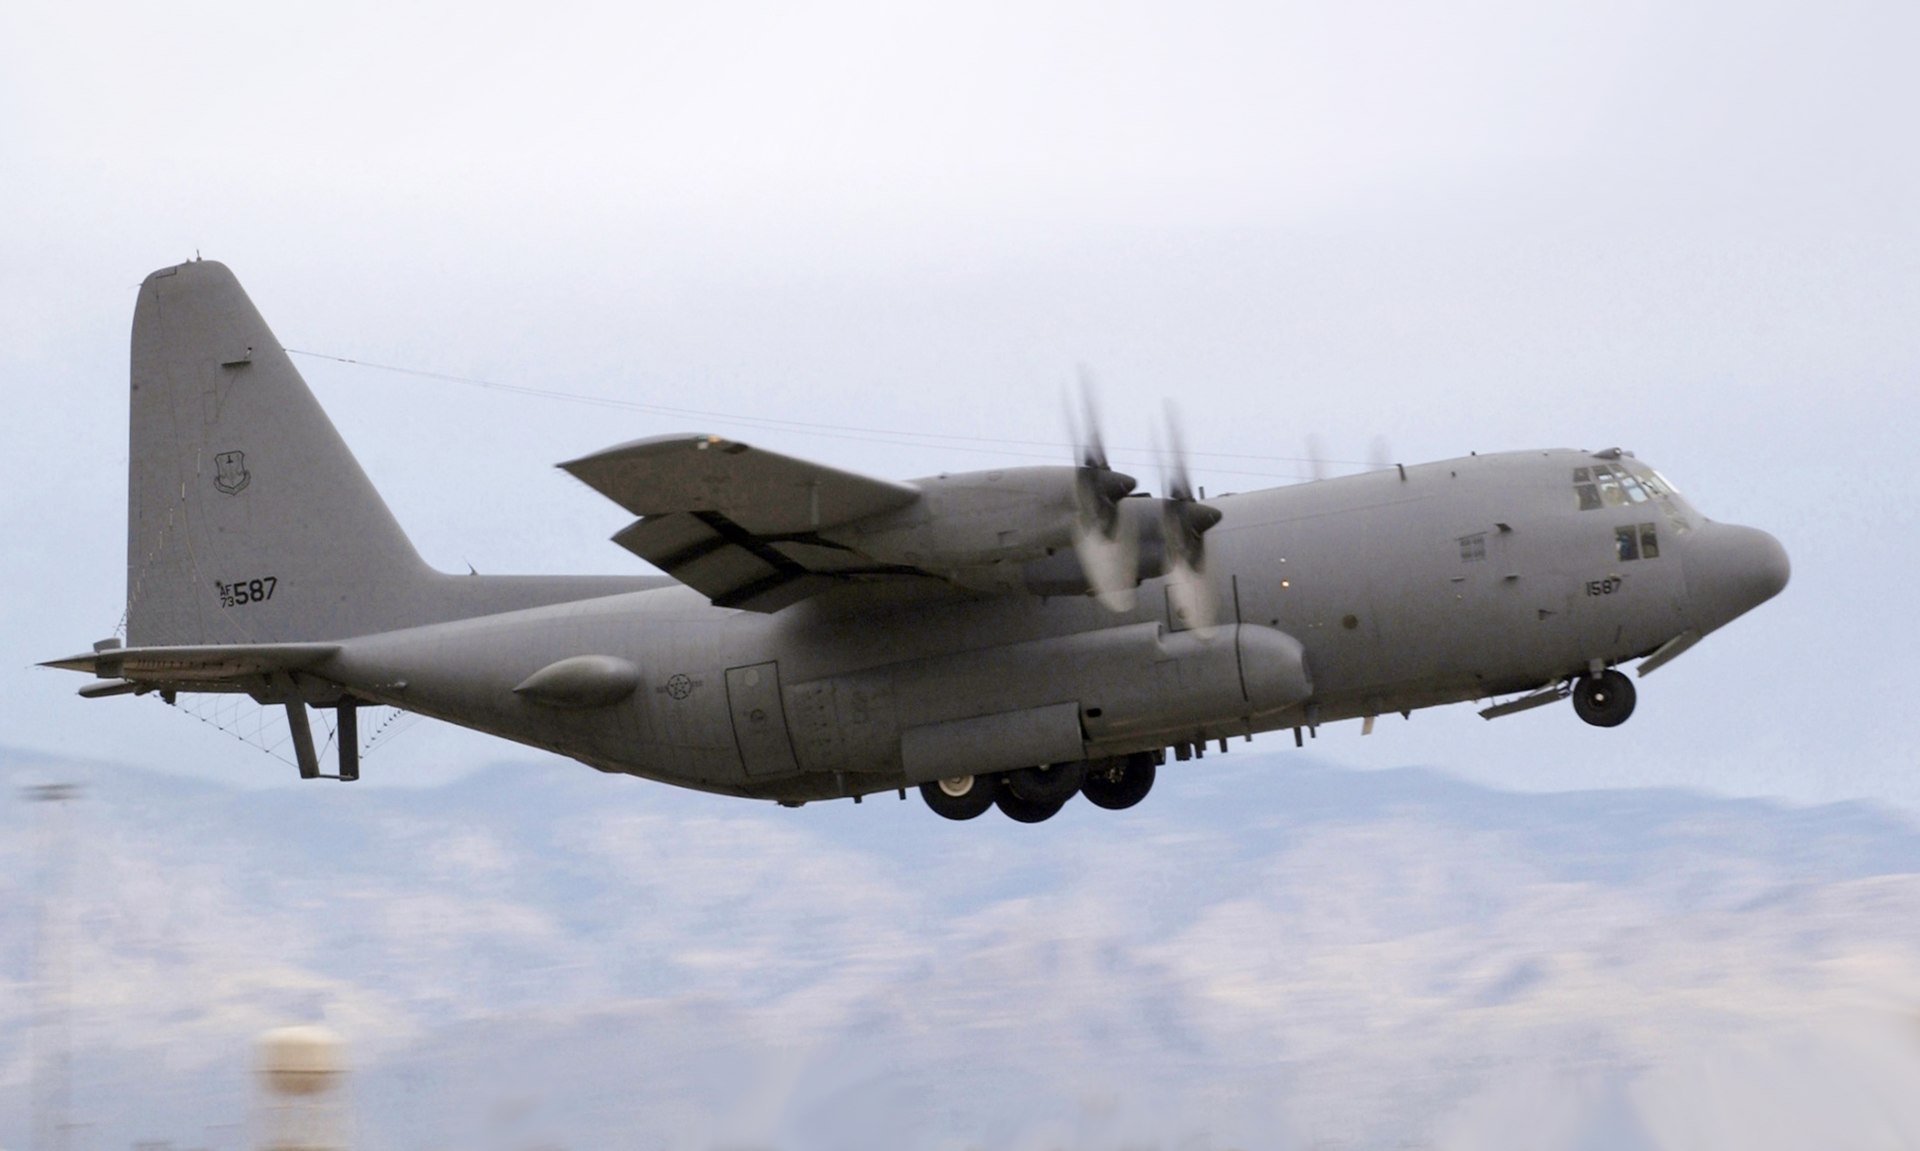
{"points": [[52, 1056], [303, 1103]]}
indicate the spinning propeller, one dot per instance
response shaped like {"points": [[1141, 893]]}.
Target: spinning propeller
{"points": [[1106, 542], [1184, 521]]}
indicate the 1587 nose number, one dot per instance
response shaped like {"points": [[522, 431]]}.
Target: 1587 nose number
{"points": [[1604, 586], [242, 592]]}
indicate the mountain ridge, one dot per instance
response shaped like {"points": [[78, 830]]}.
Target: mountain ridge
{"points": [[1271, 951]]}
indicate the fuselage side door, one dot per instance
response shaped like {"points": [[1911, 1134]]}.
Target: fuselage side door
{"points": [[759, 720]]}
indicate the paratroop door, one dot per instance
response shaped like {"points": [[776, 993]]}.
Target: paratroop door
{"points": [[759, 721]]}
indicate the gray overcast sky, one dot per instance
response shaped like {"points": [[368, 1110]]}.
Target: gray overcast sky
{"points": [[1685, 228]]}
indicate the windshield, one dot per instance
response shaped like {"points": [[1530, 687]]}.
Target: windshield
{"points": [[1627, 482]]}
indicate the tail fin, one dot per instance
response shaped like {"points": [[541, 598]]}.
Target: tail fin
{"points": [[249, 521]]}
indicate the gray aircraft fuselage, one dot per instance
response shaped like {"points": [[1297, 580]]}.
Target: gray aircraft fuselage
{"points": [[826, 634], [1460, 580]]}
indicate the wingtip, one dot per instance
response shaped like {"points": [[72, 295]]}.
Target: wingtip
{"points": [[698, 441]]}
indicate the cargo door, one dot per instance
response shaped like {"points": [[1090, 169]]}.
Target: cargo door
{"points": [[759, 722]]}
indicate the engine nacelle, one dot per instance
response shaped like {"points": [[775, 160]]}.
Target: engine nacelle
{"points": [[973, 519], [1009, 530]]}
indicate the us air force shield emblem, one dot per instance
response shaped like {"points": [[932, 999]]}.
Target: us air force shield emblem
{"points": [[230, 472]]}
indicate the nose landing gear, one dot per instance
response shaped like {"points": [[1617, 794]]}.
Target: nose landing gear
{"points": [[1603, 701]]}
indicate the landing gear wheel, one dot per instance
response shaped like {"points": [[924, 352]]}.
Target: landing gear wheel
{"points": [[1117, 784], [962, 796], [1604, 702], [1026, 810], [1053, 783]]}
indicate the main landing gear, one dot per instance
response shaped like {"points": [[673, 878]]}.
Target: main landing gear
{"points": [[961, 796], [1036, 794], [1605, 700], [1118, 784]]}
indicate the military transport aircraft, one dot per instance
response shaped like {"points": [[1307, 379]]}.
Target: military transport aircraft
{"points": [[1007, 638]]}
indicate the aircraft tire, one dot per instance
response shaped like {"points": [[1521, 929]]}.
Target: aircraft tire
{"points": [[1053, 783], [961, 797], [1604, 702], [1118, 784], [1024, 810]]}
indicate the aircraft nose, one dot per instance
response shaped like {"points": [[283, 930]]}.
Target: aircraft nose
{"points": [[1730, 571]]}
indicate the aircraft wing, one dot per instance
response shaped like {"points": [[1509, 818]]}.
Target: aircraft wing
{"points": [[738, 523], [763, 493]]}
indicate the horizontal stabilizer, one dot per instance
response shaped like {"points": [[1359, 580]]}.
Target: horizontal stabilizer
{"points": [[764, 493], [197, 663]]}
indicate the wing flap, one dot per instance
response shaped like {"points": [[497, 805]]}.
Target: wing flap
{"points": [[735, 568], [765, 493], [828, 559], [728, 566], [740, 525]]}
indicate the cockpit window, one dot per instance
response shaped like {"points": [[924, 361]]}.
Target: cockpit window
{"points": [[1627, 483], [1636, 542], [1672, 505], [1583, 484], [1609, 485]]}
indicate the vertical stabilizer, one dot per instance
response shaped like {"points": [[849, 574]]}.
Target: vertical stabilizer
{"points": [[249, 521]]}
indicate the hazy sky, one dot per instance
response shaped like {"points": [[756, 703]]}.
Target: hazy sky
{"points": [[1685, 228]]}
